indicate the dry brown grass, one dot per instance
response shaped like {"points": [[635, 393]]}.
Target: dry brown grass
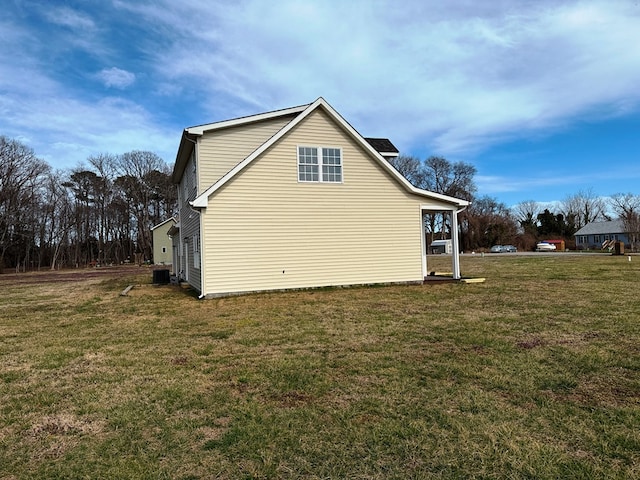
{"points": [[533, 373]]}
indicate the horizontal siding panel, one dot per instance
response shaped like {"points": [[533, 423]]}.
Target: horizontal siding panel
{"points": [[221, 150], [365, 230]]}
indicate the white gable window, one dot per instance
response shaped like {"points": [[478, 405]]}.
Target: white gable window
{"points": [[311, 159]]}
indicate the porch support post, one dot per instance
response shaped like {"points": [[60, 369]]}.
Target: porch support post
{"points": [[423, 245], [455, 244]]}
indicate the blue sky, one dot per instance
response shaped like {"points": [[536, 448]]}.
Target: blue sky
{"points": [[542, 97]]}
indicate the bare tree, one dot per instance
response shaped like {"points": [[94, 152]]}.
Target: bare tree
{"points": [[57, 218], [489, 223], [526, 213], [85, 186], [21, 173], [453, 179], [101, 212], [627, 207], [584, 207], [439, 175], [410, 168], [139, 172], [105, 167]]}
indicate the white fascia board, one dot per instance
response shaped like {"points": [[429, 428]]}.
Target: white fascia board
{"points": [[201, 129], [162, 223], [429, 205], [451, 201], [389, 154]]}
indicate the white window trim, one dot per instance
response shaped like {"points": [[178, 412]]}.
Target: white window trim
{"points": [[196, 251], [318, 149], [194, 177]]}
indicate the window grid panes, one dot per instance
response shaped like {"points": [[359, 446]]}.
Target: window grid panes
{"points": [[331, 165], [307, 164]]}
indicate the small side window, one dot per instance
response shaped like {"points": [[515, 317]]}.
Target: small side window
{"points": [[196, 251]]}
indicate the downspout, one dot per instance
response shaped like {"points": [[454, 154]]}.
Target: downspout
{"points": [[198, 212]]}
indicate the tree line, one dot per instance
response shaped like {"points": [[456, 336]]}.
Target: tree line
{"points": [[98, 213], [102, 212], [488, 222]]}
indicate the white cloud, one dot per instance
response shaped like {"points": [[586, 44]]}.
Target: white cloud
{"points": [[493, 184], [447, 78], [455, 76], [541, 180], [116, 77], [67, 17], [69, 129]]}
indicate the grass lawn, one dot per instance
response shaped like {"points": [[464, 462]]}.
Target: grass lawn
{"points": [[533, 374]]}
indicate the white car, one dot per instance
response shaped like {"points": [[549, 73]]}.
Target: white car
{"points": [[545, 247]]}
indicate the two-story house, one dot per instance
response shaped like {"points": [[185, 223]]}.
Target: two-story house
{"points": [[297, 198]]}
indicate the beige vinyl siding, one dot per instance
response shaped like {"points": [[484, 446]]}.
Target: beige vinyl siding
{"points": [[265, 230], [221, 150], [161, 240]]}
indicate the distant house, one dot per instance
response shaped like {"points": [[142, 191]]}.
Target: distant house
{"points": [[297, 198], [597, 235], [162, 243]]}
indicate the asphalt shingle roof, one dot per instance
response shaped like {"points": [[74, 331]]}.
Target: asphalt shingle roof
{"points": [[382, 145], [601, 228]]}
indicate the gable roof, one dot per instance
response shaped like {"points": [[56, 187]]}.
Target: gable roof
{"points": [[200, 129], [601, 228], [170, 219], [301, 113]]}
